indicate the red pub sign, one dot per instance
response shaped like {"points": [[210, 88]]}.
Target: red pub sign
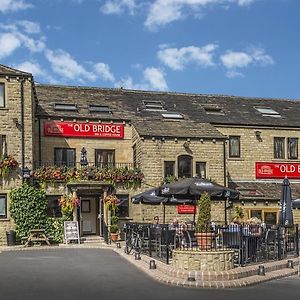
{"points": [[92, 130], [267, 170], [186, 209]]}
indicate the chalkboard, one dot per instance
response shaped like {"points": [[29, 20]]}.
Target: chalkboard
{"points": [[71, 231]]}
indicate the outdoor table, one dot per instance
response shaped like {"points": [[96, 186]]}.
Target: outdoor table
{"points": [[37, 235]]}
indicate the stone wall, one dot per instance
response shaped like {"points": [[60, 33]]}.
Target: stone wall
{"points": [[9, 116], [221, 260]]}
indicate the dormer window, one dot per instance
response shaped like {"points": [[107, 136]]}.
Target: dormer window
{"points": [[65, 107], [99, 109]]}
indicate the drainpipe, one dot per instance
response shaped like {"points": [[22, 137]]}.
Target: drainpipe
{"points": [[22, 127], [40, 142], [225, 180]]}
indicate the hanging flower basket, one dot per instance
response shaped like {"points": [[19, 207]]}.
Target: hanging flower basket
{"points": [[67, 204], [7, 163]]}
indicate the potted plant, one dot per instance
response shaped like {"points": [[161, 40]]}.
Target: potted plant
{"points": [[114, 229], [203, 233]]}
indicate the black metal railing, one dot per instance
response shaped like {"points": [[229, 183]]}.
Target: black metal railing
{"points": [[250, 243], [116, 165]]}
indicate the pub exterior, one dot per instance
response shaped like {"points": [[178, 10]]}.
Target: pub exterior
{"points": [[249, 144]]}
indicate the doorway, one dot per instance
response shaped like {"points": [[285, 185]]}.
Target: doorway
{"points": [[89, 211]]}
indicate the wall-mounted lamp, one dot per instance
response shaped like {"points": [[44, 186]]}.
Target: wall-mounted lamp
{"points": [[258, 135], [214, 141], [243, 202], [26, 173], [201, 140], [267, 202], [254, 202]]}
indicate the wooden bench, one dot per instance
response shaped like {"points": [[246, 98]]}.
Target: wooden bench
{"points": [[36, 236]]}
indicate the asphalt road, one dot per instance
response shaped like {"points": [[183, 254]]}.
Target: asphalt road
{"points": [[102, 274]]}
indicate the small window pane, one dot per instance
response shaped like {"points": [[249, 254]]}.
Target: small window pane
{"points": [[53, 209], [234, 146], [123, 207], [169, 168], [185, 166], [2, 98], [201, 169], [105, 158], [3, 208], [64, 157], [293, 148], [279, 147], [3, 147]]}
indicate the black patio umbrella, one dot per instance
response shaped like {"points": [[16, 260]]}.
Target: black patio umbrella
{"points": [[192, 188], [286, 211], [296, 203], [151, 197]]}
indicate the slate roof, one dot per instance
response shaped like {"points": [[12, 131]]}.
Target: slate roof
{"points": [[129, 105], [263, 190], [4, 70]]}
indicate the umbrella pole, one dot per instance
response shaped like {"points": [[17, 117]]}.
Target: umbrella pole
{"points": [[164, 216], [195, 204]]}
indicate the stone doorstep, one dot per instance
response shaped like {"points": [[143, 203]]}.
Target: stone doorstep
{"points": [[161, 274]]}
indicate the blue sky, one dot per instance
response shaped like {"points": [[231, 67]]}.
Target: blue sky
{"points": [[231, 47]]}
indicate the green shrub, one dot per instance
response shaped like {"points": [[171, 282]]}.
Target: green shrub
{"points": [[204, 213], [28, 209]]}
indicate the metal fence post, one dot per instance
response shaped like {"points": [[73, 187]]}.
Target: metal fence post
{"points": [[279, 242]]}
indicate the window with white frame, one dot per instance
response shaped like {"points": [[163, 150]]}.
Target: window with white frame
{"points": [[3, 207]]}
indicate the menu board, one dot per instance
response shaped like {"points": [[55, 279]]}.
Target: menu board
{"points": [[71, 232]]}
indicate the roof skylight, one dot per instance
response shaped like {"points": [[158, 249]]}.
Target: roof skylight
{"points": [[268, 112], [172, 115], [100, 109], [65, 107], [212, 110], [153, 105]]}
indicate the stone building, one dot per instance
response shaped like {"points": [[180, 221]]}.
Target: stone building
{"points": [[245, 143]]}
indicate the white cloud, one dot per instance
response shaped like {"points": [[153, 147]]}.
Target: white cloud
{"points": [[236, 59], [153, 79], [21, 31], [257, 56], [118, 6], [163, 12], [156, 79], [8, 44], [178, 58], [104, 71], [29, 27], [64, 65], [30, 67], [234, 74], [13, 5]]}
